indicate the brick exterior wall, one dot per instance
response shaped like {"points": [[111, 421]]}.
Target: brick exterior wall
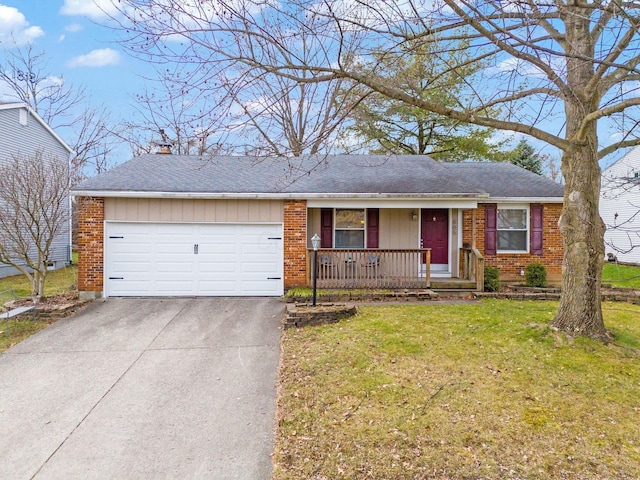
{"points": [[295, 243], [510, 264], [90, 246]]}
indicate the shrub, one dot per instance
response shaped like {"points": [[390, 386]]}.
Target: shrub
{"points": [[491, 279], [535, 275]]}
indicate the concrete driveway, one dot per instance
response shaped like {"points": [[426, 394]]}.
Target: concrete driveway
{"points": [[144, 388]]}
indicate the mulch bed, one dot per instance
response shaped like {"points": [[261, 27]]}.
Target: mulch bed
{"points": [[51, 307]]}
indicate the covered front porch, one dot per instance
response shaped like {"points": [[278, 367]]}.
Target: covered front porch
{"points": [[427, 245], [392, 269]]}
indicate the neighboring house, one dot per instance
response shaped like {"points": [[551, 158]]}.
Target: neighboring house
{"points": [[620, 208], [23, 133], [163, 225]]}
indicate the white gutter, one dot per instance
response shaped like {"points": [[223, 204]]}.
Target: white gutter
{"points": [[275, 196], [526, 199]]}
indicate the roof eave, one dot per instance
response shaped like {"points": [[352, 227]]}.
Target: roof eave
{"points": [[526, 199], [271, 196]]}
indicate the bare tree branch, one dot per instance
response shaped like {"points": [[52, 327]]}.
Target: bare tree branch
{"points": [[34, 210]]}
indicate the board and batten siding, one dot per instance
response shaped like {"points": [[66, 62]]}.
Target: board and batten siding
{"points": [[397, 229], [17, 139], [193, 211]]}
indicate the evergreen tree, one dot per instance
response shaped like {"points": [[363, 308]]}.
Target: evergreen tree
{"points": [[526, 157]]}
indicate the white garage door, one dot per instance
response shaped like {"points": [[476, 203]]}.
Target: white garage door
{"points": [[169, 259]]}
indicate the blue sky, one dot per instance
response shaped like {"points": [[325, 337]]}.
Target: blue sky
{"points": [[84, 52], [79, 49]]}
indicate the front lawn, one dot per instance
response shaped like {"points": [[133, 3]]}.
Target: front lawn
{"points": [[14, 331], [57, 281], [624, 276], [486, 391]]}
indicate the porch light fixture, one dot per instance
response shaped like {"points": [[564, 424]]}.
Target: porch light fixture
{"points": [[315, 243], [414, 215]]}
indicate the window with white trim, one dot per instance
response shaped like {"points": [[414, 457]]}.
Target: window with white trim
{"points": [[513, 228], [349, 227]]}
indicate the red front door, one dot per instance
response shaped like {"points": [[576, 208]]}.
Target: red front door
{"points": [[434, 233]]}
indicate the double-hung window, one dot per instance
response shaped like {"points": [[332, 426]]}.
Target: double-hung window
{"points": [[349, 228], [513, 228]]}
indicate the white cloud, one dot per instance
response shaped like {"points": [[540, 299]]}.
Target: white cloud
{"points": [[94, 9], [523, 68], [14, 28], [355, 14], [526, 69], [73, 28], [96, 58]]}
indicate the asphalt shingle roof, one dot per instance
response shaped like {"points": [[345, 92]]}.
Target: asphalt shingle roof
{"points": [[338, 174]]}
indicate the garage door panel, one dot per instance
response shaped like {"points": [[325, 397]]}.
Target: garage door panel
{"points": [[222, 288], [254, 288], [186, 249], [258, 268], [160, 259], [130, 267], [174, 287], [175, 266], [130, 288], [209, 249]]}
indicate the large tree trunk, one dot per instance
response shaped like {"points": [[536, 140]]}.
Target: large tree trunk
{"points": [[580, 311]]}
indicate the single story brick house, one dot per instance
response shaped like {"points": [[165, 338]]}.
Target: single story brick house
{"points": [[171, 225]]}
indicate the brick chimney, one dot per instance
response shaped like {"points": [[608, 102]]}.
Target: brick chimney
{"points": [[164, 148]]}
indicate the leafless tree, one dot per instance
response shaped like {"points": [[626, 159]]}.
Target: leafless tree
{"points": [[34, 210], [95, 139], [557, 69], [26, 74], [281, 116], [62, 106], [167, 113], [240, 110]]}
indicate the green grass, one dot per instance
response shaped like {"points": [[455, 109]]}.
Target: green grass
{"points": [[624, 276], [14, 331], [57, 281], [486, 390]]}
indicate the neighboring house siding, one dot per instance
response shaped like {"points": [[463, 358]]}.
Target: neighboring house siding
{"points": [[25, 140], [620, 207], [179, 210], [511, 264]]}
